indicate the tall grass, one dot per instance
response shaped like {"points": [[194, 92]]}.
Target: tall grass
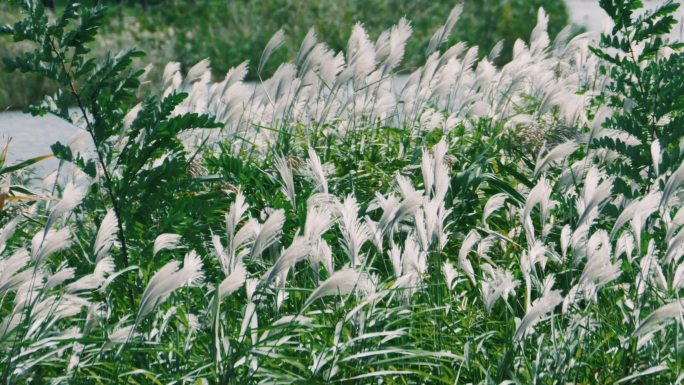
{"points": [[462, 225], [224, 31]]}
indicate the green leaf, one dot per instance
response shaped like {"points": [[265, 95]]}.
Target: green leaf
{"points": [[24, 164]]}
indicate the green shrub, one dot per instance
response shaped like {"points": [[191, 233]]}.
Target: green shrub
{"points": [[18, 90], [647, 74]]}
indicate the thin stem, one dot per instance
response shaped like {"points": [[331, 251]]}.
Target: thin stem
{"points": [[107, 176]]}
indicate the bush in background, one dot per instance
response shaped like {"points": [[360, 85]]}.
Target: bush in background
{"points": [[17, 90]]}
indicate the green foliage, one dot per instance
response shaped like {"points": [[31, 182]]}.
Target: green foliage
{"points": [[144, 195], [226, 32], [233, 31], [647, 74], [18, 90], [104, 90], [486, 22]]}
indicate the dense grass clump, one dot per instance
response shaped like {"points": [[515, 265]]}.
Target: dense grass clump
{"points": [[336, 222]]}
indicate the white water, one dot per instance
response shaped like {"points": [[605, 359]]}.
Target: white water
{"points": [[32, 136]]}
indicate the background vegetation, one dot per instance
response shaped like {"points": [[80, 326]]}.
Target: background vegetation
{"points": [[231, 31]]}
